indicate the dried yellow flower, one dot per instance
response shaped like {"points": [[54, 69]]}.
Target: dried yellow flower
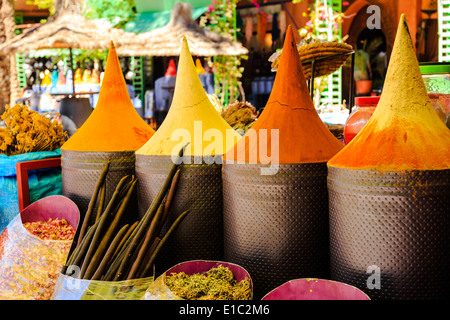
{"points": [[28, 131]]}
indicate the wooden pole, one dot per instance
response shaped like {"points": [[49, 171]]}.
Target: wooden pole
{"points": [[73, 71]]}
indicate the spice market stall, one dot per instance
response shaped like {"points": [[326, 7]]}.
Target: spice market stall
{"points": [[195, 210], [68, 28]]}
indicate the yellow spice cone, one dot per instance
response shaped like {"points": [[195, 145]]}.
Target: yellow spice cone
{"points": [[114, 124], [191, 118], [404, 132]]}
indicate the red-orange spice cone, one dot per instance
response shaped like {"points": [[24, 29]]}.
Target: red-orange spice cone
{"points": [[303, 137], [390, 192], [113, 131], [275, 198]]}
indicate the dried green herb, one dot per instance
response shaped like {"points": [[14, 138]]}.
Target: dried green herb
{"points": [[240, 115], [217, 284]]}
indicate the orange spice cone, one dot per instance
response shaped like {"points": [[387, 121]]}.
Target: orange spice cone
{"points": [[389, 192], [112, 133], [303, 137], [114, 124]]}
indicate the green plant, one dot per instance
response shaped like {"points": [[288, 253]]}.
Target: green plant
{"points": [[324, 24], [117, 12], [362, 63], [43, 4], [227, 69]]}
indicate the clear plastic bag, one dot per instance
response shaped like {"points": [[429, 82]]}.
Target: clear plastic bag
{"points": [[29, 266], [70, 288]]}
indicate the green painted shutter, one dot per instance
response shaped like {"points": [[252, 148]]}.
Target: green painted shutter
{"points": [[137, 64], [333, 92], [21, 76], [444, 30]]}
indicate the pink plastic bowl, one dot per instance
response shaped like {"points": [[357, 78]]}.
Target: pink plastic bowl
{"points": [[315, 289], [54, 207]]}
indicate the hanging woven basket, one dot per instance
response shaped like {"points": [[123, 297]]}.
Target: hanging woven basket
{"points": [[328, 56]]}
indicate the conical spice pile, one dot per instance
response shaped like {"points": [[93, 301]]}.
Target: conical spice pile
{"points": [[389, 192], [192, 122], [276, 220]]}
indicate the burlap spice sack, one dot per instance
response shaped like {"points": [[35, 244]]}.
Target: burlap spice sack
{"points": [[192, 120], [113, 131], [389, 192], [274, 181]]}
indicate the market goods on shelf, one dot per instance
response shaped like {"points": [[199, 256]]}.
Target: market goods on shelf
{"points": [[390, 193], [192, 121], [113, 132], [276, 201]]}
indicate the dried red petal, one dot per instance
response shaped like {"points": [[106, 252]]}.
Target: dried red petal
{"points": [[53, 229]]}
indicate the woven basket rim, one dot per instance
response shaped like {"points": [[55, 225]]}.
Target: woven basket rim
{"points": [[338, 53]]}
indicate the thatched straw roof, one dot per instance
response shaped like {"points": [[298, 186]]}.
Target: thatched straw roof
{"points": [[166, 41], [68, 28]]}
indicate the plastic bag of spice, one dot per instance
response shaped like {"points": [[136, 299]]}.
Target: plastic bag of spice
{"points": [[31, 256], [202, 280], [71, 288]]}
